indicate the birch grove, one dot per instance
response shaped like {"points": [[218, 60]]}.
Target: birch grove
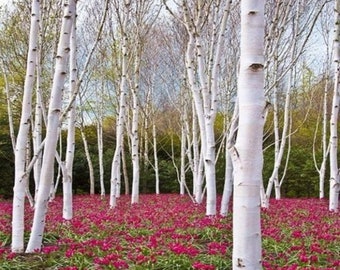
{"points": [[204, 98]]}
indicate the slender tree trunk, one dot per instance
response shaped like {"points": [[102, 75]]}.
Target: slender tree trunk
{"points": [[37, 133], [24, 128], [100, 142], [229, 177], [35, 240], [228, 185], [28, 157], [68, 172], [247, 153], [182, 166], [155, 155], [125, 172], [198, 171], [134, 137], [334, 184], [325, 148], [115, 169], [89, 160]]}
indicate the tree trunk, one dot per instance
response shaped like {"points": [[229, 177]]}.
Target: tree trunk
{"points": [[24, 128], [334, 184], [115, 169], [156, 168], [68, 173], [134, 137], [89, 160], [247, 153], [100, 102], [35, 240]]}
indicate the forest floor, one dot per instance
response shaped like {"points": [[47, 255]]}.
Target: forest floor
{"points": [[170, 232]]}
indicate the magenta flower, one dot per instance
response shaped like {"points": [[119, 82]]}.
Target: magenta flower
{"points": [[181, 249], [215, 248], [49, 249], [203, 266], [303, 258], [120, 264], [11, 256]]}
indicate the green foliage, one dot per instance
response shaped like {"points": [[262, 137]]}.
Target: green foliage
{"points": [[6, 152]]}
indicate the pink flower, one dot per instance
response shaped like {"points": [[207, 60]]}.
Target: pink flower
{"points": [[120, 264], [69, 253], [303, 258], [203, 266], [313, 258], [49, 249], [217, 248], [181, 249], [11, 256], [297, 234]]}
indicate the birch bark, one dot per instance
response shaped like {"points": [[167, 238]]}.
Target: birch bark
{"points": [[115, 168], [156, 167], [24, 128], [334, 184], [35, 240], [100, 103], [247, 152], [68, 172], [134, 137]]}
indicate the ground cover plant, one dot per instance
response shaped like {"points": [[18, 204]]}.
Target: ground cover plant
{"points": [[170, 232]]}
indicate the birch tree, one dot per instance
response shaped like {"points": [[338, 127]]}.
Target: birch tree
{"points": [[55, 107], [68, 166], [247, 151], [22, 137], [115, 168], [334, 183], [322, 168], [202, 62]]}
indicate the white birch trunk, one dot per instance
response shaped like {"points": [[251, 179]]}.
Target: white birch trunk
{"points": [[89, 160], [198, 170], [24, 128], [228, 185], [35, 240], [125, 173], [68, 173], [115, 169], [156, 168], [229, 176], [334, 184], [134, 137], [27, 179], [325, 149], [100, 142], [37, 134], [247, 153], [182, 166]]}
